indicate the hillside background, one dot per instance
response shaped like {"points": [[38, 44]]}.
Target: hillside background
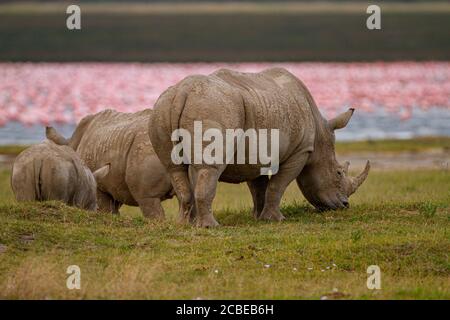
{"points": [[175, 31]]}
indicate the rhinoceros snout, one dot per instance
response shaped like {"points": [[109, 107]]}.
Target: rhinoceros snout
{"points": [[344, 201], [332, 202]]}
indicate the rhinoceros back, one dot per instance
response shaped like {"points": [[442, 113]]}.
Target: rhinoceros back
{"points": [[108, 140], [273, 98], [50, 172]]}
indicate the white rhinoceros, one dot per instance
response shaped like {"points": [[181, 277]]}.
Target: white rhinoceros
{"points": [[137, 177], [229, 100], [47, 171]]}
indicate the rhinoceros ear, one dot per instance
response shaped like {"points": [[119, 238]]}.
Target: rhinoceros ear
{"points": [[341, 120], [101, 173], [53, 135]]}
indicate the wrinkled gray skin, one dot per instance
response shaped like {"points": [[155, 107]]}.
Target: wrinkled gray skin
{"points": [[47, 171], [272, 99], [136, 177]]}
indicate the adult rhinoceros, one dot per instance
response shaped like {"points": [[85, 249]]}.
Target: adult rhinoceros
{"points": [[47, 171], [272, 99], [136, 177]]}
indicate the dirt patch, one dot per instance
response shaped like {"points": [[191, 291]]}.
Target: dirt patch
{"points": [[439, 160], [434, 159]]}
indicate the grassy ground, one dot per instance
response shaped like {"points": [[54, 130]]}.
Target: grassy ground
{"points": [[398, 220], [224, 32], [11, 150]]}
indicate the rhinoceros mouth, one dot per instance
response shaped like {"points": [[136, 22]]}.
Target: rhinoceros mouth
{"points": [[325, 203]]}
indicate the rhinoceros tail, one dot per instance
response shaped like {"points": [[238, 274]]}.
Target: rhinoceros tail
{"points": [[177, 109], [37, 179]]}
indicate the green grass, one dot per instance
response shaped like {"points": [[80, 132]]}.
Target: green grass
{"points": [[224, 32], [12, 150], [397, 220]]}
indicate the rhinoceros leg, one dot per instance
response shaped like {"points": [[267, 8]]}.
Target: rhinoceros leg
{"points": [[147, 181], [185, 219], [151, 208], [106, 203], [205, 191], [180, 183], [258, 190], [278, 183]]}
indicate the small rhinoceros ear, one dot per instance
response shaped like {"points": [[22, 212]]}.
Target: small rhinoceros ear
{"points": [[341, 120], [53, 135], [101, 173]]}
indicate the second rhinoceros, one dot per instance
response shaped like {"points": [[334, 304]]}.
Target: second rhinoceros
{"points": [[229, 100], [136, 177]]}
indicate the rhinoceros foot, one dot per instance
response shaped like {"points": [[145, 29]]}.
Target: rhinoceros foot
{"points": [[271, 214], [207, 222]]}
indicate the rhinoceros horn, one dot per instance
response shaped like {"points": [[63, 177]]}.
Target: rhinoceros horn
{"points": [[357, 181]]}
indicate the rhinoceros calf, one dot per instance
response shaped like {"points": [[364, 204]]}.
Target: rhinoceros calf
{"points": [[272, 99], [137, 177], [47, 171]]}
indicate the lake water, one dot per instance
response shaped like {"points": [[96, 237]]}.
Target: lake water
{"points": [[363, 126]]}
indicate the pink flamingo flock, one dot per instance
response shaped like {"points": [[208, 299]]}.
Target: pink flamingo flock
{"points": [[33, 93]]}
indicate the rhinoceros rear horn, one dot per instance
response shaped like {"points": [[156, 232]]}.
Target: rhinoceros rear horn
{"points": [[357, 181], [341, 120]]}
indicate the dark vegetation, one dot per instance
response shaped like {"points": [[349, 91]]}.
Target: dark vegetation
{"points": [[266, 32]]}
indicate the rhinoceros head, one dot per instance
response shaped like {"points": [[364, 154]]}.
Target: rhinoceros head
{"points": [[324, 182]]}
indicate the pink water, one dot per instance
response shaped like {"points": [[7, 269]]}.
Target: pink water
{"points": [[42, 93]]}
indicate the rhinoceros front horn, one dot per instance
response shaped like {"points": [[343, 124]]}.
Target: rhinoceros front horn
{"points": [[357, 181]]}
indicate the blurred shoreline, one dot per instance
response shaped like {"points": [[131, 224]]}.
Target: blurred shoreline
{"points": [[430, 153], [375, 125]]}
